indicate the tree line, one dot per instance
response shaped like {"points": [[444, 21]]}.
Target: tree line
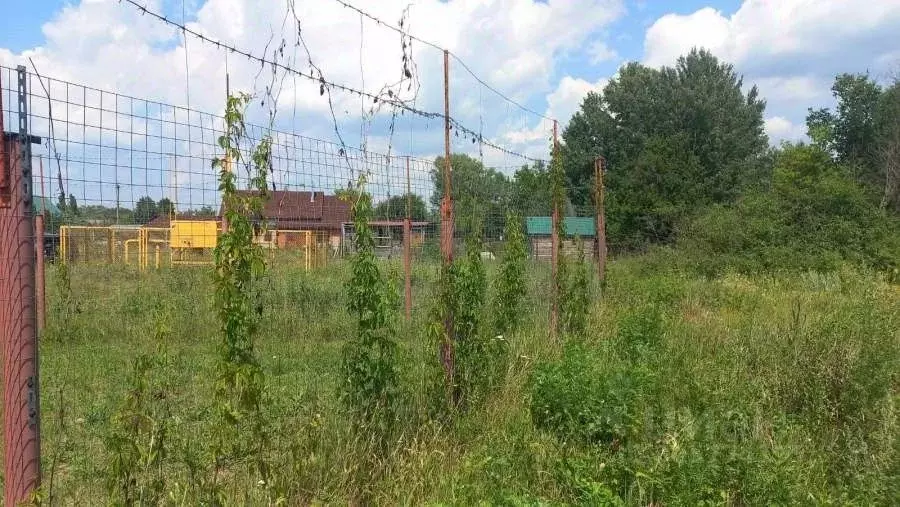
{"points": [[689, 165]]}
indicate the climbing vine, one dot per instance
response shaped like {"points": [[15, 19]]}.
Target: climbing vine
{"points": [[576, 297], [369, 364], [509, 286], [474, 351], [239, 263]]}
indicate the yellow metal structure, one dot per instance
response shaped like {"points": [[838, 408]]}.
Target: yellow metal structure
{"points": [[190, 239], [189, 242], [89, 244], [194, 234]]}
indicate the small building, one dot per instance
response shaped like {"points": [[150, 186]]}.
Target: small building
{"points": [[294, 216], [538, 231]]}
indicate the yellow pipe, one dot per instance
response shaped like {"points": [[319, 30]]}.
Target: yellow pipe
{"points": [[307, 250], [64, 243]]}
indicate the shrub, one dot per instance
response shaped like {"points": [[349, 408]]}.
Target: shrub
{"points": [[369, 363], [588, 398], [575, 299], [815, 216], [509, 286]]}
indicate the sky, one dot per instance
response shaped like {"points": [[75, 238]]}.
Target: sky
{"points": [[546, 55]]}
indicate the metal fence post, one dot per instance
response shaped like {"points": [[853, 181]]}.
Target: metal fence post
{"points": [[21, 407], [447, 358], [554, 252], [407, 254], [601, 252]]}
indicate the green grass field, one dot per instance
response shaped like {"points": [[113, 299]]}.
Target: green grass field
{"points": [[734, 390]]}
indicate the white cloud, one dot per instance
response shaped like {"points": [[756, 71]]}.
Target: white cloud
{"points": [[567, 98], [513, 44], [781, 129], [806, 89], [791, 48], [673, 35], [600, 52], [765, 32], [562, 103]]}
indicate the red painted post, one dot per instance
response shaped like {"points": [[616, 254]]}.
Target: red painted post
{"points": [[447, 358], [554, 252], [407, 248], [21, 408], [601, 253]]}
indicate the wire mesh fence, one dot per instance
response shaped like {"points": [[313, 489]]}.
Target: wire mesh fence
{"points": [[121, 178], [125, 187]]}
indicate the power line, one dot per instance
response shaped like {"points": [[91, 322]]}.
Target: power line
{"points": [[323, 83], [435, 46]]}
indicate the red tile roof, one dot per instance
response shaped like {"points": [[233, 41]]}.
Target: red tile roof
{"points": [[293, 210]]}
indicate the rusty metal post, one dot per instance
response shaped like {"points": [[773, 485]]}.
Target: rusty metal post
{"points": [[407, 247], [447, 239], [40, 284], [21, 407], [600, 223], [554, 245]]}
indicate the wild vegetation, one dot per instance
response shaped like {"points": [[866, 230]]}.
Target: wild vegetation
{"points": [[744, 348]]}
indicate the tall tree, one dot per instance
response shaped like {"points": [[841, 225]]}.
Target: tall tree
{"points": [[73, 205], [887, 124], [394, 208], [531, 191], [145, 210], [480, 194], [849, 133], [165, 207], [675, 138]]}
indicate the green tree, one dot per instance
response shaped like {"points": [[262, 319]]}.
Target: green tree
{"points": [[145, 210], [73, 205], [394, 208], [204, 211], [480, 194], [165, 207], [854, 129], [887, 122], [815, 216], [675, 139], [531, 191]]}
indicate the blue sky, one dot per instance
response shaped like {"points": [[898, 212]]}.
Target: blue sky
{"points": [[546, 54]]}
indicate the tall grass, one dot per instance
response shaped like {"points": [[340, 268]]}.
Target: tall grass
{"points": [[684, 390]]}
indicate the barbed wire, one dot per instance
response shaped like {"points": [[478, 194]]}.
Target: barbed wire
{"points": [[458, 59], [323, 83]]}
